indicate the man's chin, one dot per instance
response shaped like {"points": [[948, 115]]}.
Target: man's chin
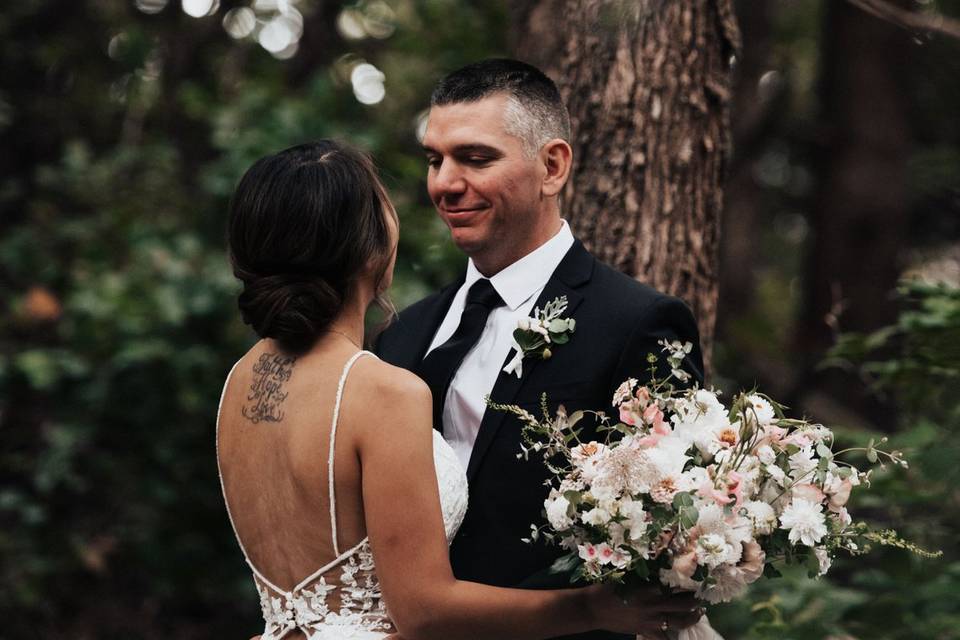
{"points": [[467, 241]]}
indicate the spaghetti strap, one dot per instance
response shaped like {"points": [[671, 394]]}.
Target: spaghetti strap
{"points": [[333, 440]]}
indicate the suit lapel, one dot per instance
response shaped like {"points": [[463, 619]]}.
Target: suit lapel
{"points": [[573, 272], [428, 323]]}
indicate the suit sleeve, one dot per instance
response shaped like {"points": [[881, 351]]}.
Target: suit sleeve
{"points": [[666, 319]]}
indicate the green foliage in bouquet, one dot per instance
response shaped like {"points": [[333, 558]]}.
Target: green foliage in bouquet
{"points": [[887, 594]]}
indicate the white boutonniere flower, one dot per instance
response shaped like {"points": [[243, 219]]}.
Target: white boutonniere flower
{"points": [[535, 336]]}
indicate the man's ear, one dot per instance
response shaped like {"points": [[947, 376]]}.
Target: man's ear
{"points": [[557, 158]]}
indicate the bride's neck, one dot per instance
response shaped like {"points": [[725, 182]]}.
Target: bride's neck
{"points": [[349, 323]]}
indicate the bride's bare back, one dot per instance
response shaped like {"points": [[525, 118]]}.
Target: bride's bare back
{"points": [[274, 443], [274, 435]]}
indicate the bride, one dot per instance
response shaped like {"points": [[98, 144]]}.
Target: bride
{"points": [[329, 464]]}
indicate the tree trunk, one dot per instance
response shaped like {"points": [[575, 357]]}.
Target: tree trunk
{"points": [[648, 86]]}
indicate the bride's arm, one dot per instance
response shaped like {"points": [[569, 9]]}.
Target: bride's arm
{"points": [[406, 532]]}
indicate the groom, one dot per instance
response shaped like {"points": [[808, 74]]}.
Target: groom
{"points": [[498, 155]]}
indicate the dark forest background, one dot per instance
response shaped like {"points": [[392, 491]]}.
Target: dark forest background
{"points": [[125, 124]]}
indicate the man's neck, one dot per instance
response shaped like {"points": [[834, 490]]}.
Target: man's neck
{"points": [[492, 266]]}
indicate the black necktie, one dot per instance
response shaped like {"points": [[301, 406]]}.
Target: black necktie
{"points": [[438, 367]]}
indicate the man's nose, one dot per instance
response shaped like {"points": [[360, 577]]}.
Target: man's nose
{"points": [[449, 178]]}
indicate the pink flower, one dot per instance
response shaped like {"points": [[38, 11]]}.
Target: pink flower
{"points": [[809, 492], [773, 435], [643, 396], [653, 416], [588, 552], [628, 413], [731, 490], [840, 497], [800, 438], [604, 552], [680, 574]]}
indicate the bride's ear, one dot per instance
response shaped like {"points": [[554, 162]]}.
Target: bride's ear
{"points": [[557, 158]]}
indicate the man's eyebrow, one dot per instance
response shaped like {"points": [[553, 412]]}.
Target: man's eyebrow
{"points": [[467, 148]]}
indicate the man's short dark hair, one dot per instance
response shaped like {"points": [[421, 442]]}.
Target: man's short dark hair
{"points": [[535, 112]]}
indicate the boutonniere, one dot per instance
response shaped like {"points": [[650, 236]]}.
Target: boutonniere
{"points": [[535, 336]]}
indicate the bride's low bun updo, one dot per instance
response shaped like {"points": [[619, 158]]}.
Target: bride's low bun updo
{"points": [[292, 310], [304, 223]]}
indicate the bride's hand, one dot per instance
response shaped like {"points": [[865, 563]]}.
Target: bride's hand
{"points": [[645, 611]]}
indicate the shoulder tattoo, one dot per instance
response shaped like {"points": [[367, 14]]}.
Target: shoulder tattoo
{"points": [[265, 400]]}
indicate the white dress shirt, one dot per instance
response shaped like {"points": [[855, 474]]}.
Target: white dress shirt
{"points": [[519, 285]]}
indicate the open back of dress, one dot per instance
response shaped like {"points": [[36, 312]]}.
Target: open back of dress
{"points": [[342, 598]]}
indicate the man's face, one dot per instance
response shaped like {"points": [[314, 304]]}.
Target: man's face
{"points": [[484, 188]]}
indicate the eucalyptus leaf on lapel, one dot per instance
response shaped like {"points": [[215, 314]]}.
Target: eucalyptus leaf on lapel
{"points": [[535, 336]]}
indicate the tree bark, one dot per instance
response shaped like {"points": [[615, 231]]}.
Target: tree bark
{"points": [[648, 86]]}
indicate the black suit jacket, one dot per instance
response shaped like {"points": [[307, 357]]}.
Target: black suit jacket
{"points": [[619, 322]]}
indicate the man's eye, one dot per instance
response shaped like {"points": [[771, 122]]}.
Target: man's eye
{"points": [[478, 159], [433, 162]]}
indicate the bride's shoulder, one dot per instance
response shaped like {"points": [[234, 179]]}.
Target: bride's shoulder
{"points": [[390, 388]]}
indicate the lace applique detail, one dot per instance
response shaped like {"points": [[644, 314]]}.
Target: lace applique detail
{"points": [[306, 608]]}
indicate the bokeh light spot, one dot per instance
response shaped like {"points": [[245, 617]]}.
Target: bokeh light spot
{"points": [[350, 25], [240, 22], [200, 8], [367, 83], [151, 6]]}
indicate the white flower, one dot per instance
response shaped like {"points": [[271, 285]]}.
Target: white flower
{"points": [[762, 516], [713, 550], [587, 457], [766, 454], [616, 533], [556, 508], [734, 528], [596, 516], [824, 559], [617, 557], [605, 554], [760, 412], [729, 581], [665, 463], [636, 518], [586, 451], [777, 474], [588, 552], [697, 420], [624, 391], [801, 463], [805, 521], [515, 365], [537, 326]]}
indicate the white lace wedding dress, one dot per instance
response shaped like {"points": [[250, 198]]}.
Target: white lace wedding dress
{"points": [[342, 598]]}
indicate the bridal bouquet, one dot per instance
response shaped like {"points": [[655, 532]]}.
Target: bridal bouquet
{"points": [[701, 496]]}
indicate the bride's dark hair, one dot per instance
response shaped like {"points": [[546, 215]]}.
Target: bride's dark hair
{"points": [[304, 223]]}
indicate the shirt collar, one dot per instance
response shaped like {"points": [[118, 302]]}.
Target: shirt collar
{"points": [[517, 282]]}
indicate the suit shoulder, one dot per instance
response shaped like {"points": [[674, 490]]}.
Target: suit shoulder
{"points": [[628, 294]]}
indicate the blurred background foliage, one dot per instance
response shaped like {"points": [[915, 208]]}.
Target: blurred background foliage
{"points": [[124, 125]]}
